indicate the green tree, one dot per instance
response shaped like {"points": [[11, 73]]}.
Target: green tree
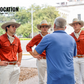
{"points": [[24, 30], [23, 16], [48, 13], [1, 30]]}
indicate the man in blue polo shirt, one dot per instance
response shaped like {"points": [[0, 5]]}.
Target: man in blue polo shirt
{"points": [[60, 50]]}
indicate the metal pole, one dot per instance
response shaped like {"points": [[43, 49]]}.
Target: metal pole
{"points": [[32, 20]]}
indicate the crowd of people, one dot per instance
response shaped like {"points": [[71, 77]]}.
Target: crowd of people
{"points": [[61, 54]]}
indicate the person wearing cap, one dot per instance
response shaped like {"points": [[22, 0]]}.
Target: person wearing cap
{"points": [[10, 46], [60, 49], [78, 35], [41, 64]]}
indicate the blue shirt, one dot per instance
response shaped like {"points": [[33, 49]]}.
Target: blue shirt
{"points": [[60, 49]]}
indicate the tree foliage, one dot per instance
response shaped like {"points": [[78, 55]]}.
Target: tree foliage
{"points": [[23, 16], [1, 30]]}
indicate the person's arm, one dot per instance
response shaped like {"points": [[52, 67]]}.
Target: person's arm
{"points": [[3, 63], [75, 49], [41, 47], [36, 55], [29, 46], [31, 53], [19, 58], [19, 53]]}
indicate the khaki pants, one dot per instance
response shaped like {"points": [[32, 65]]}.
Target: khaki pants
{"points": [[41, 66], [9, 74], [79, 70]]}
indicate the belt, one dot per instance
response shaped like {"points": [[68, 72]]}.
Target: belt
{"points": [[12, 63], [80, 56], [44, 57]]}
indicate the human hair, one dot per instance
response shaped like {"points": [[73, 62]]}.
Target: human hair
{"points": [[6, 27], [60, 22]]}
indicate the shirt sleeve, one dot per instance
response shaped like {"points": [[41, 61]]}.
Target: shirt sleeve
{"points": [[19, 46], [31, 44], [0, 43], [75, 49], [42, 45]]}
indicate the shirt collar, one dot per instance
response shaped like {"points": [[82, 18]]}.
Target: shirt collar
{"points": [[59, 31], [10, 36], [41, 35], [78, 32]]}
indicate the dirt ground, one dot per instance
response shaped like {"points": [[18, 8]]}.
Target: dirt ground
{"points": [[26, 73]]}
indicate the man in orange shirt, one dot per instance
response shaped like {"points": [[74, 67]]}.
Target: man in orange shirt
{"points": [[41, 64], [9, 47], [78, 35]]}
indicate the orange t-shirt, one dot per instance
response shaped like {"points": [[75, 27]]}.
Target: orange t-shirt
{"points": [[79, 42], [35, 41], [8, 51]]}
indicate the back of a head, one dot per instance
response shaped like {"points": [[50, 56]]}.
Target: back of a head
{"points": [[60, 22]]}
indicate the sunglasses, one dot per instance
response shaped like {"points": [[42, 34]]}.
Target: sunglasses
{"points": [[76, 24], [43, 26], [13, 26]]}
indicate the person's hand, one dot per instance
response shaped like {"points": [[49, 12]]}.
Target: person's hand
{"points": [[37, 56], [18, 63], [3, 63]]}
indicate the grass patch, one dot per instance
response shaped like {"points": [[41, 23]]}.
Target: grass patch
{"points": [[25, 38]]}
